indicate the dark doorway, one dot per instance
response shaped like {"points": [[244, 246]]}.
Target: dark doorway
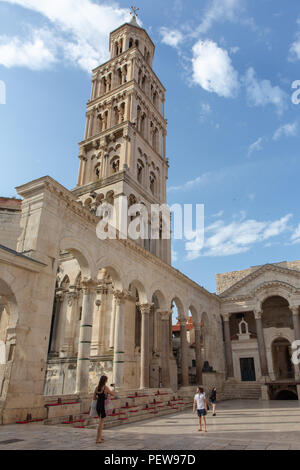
{"points": [[247, 369], [286, 395]]}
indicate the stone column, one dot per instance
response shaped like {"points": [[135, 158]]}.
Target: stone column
{"points": [[261, 343], [67, 349], [165, 363], [228, 348], [145, 360], [58, 301], [112, 324], [118, 369], [84, 346], [184, 353], [296, 324], [198, 352]]}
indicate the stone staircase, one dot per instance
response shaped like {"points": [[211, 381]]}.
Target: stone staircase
{"points": [[241, 391], [133, 407]]}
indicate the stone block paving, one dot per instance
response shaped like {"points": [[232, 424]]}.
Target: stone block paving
{"points": [[239, 425]]}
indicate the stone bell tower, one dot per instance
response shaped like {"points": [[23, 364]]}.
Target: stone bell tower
{"points": [[124, 146]]}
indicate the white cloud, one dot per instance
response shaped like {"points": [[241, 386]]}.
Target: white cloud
{"points": [[220, 10], [295, 238], [261, 92], [294, 52], [288, 130], [256, 146], [171, 37], [212, 69], [234, 50], [223, 239], [201, 180], [34, 53], [81, 27], [218, 214]]}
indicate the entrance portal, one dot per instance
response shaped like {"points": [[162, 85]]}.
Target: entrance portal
{"points": [[247, 369]]}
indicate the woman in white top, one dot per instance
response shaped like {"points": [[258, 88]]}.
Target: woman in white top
{"points": [[200, 404]]}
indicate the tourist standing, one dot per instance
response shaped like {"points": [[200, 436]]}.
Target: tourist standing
{"points": [[100, 394], [213, 400], [200, 403]]}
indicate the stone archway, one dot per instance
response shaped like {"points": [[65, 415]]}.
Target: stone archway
{"points": [[286, 395], [281, 354]]}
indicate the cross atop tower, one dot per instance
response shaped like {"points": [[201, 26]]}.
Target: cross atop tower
{"points": [[134, 11]]}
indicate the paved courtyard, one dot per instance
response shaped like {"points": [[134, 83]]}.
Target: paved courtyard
{"points": [[238, 425]]}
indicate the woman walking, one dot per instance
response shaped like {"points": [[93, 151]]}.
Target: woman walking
{"points": [[213, 400], [200, 403], [100, 394]]}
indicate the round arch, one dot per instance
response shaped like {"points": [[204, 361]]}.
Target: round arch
{"points": [[137, 284], [273, 289], [81, 253]]}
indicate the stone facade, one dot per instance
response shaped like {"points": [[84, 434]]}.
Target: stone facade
{"points": [[74, 306]]}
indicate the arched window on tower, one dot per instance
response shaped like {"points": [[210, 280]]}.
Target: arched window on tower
{"points": [[130, 43], [140, 171], [143, 121], [97, 171], [140, 77], [119, 75], [152, 183], [138, 118], [116, 48], [116, 115], [155, 139], [115, 165]]}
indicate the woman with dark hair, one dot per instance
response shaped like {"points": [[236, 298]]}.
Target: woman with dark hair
{"points": [[100, 394], [200, 403], [213, 400]]}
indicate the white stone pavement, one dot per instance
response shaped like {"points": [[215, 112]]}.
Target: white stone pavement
{"points": [[238, 425]]}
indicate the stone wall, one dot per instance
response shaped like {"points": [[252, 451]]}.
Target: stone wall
{"points": [[10, 216], [61, 375]]}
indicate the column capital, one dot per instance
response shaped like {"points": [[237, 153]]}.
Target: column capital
{"points": [[257, 314], [165, 314], [71, 296], [145, 308], [119, 296], [226, 316], [88, 284], [294, 309], [60, 294]]}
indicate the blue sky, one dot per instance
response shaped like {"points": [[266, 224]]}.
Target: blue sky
{"points": [[233, 130]]}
